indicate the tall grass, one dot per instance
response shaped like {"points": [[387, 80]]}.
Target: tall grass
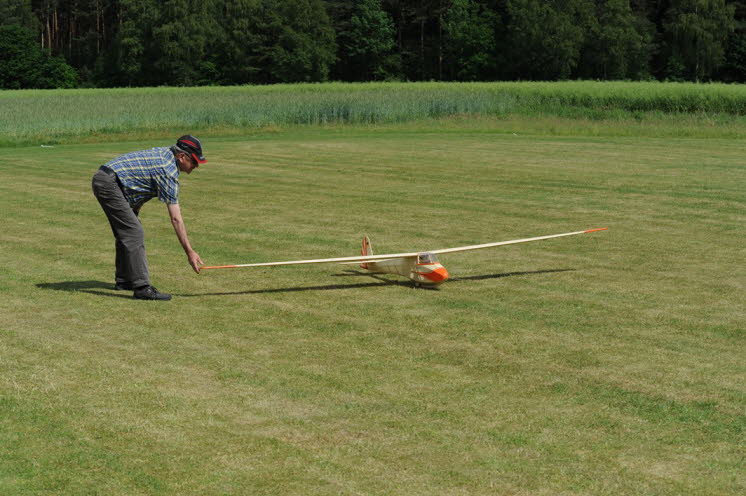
{"points": [[49, 116]]}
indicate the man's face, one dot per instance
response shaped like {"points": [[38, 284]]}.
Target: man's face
{"points": [[186, 163]]}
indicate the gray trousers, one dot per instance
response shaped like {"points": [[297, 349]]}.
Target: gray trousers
{"points": [[131, 261]]}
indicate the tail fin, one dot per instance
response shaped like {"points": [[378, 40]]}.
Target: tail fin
{"points": [[365, 251]]}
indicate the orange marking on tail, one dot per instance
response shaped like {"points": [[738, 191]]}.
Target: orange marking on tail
{"points": [[594, 230], [364, 252]]}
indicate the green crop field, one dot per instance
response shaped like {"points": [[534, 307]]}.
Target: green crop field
{"points": [[607, 363], [67, 116]]}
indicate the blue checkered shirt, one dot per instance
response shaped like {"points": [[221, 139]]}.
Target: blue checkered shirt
{"points": [[147, 174]]}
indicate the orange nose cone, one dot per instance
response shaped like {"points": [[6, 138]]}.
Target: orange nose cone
{"points": [[437, 275]]}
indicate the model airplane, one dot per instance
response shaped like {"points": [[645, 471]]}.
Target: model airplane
{"points": [[422, 268]]}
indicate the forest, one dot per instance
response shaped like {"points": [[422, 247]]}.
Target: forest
{"points": [[136, 43]]}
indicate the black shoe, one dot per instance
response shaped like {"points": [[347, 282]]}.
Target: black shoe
{"points": [[150, 293], [123, 286]]}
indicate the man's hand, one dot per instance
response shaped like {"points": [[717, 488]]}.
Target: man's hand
{"points": [[195, 261]]}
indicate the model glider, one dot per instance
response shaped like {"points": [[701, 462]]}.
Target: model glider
{"points": [[421, 267]]}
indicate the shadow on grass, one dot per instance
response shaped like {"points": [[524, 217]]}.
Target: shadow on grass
{"points": [[90, 287], [383, 281], [508, 274], [329, 287]]}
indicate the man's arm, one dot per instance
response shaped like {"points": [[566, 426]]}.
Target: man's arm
{"points": [[174, 211]]}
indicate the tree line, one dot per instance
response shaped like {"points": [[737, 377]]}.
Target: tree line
{"points": [[110, 43]]}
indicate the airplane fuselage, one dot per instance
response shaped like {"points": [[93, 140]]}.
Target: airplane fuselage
{"points": [[424, 270]]}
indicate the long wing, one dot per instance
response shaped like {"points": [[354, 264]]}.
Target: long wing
{"points": [[503, 243], [370, 258], [381, 258]]}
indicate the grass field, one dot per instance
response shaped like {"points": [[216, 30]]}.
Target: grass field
{"points": [[609, 363]]}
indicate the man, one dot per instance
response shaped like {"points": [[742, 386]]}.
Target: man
{"points": [[123, 185]]}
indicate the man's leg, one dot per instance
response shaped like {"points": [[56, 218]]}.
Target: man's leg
{"points": [[121, 275], [131, 260]]}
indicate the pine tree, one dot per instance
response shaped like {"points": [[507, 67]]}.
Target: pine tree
{"points": [[618, 45], [546, 37], [127, 62], [294, 41], [182, 35], [696, 32], [734, 67], [236, 59], [18, 13], [366, 45], [470, 40], [24, 64]]}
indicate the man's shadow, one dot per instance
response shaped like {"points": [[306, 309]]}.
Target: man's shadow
{"points": [[90, 287]]}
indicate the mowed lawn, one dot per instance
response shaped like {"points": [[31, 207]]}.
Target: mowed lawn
{"points": [[607, 363]]}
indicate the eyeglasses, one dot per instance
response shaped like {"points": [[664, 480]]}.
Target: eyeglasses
{"points": [[191, 159]]}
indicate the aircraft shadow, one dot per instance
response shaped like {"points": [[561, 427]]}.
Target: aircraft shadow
{"points": [[383, 281], [507, 274], [90, 287], [295, 289], [95, 287]]}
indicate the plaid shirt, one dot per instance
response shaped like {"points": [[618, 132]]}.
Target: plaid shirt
{"points": [[147, 174]]}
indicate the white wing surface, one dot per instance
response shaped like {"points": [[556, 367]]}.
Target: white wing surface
{"points": [[381, 258], [515, 241], [343, 260]]}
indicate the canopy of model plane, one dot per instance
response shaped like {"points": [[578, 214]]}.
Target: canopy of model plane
{"points": [[381, 258]]}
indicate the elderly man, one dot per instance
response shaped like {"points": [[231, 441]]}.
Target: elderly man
{"points": [[123, 185]]}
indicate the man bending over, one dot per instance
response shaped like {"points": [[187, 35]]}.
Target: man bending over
{"points": [[123, 185]]}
